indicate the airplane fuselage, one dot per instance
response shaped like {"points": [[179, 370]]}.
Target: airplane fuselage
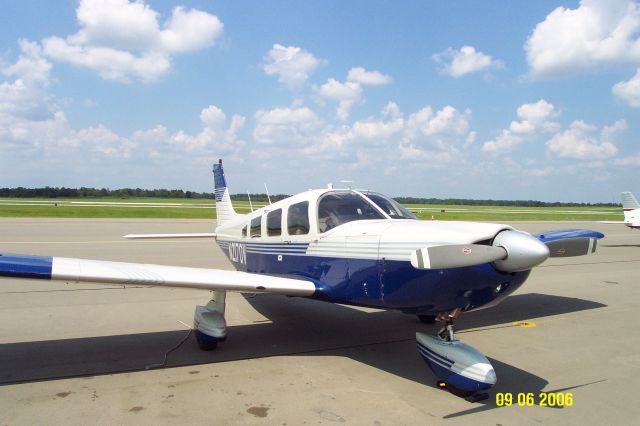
{"points": [[366, 262]]}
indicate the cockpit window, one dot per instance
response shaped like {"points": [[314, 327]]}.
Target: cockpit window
{"points": [[390, 206], [336, 208]]}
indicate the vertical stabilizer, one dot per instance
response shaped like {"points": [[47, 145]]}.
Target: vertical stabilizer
{"points": [[630, 206], [629, 202], [224, 209]]}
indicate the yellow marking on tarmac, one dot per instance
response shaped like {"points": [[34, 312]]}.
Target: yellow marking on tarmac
{"points": [[525, 324]]}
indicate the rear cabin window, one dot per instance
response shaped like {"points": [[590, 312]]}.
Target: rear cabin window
{"points": [[298, 218], [255, 227], [274, 223], [336, 208], [244, 231]]}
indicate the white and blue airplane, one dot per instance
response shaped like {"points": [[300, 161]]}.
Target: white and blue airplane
{"points": [[351, 247]]}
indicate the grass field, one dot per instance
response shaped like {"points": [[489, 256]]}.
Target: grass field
{"points": [[114, 208], [205, 209], [508, 214]]}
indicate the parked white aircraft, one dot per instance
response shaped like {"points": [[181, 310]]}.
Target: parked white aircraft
{"points": [[631, 210], [352, 247]]}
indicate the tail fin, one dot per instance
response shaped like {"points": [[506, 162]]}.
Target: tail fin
{"points": [[224, 209], [629, 203]]}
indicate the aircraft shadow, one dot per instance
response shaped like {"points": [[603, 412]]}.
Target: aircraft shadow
{"points": [[384, 340]]}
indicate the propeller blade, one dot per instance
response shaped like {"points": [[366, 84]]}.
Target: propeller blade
{"points": [[455, 256], [572, 247]]}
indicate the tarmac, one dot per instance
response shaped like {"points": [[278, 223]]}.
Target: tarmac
{"points": [[85, 353]]}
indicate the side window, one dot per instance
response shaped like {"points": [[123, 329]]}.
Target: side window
{"points": [[255, 227], [298, 218], [244, 231], [274, 223]]}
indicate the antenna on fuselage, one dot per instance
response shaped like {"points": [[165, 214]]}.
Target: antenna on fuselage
{"points": [[249, 197], [267, 189], [349, 182]]}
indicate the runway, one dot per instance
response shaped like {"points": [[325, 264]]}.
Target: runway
{"points": [[78, 354]]}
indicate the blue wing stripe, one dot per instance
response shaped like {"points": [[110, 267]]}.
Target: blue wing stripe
{"points": [[25, 266], [564, 234]]}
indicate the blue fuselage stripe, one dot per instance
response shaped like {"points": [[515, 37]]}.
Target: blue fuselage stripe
{"points": [[25, 266], [377, 283]]}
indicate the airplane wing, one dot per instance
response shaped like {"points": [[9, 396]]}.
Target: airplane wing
{"points": [[570, 242], [106, 272]]}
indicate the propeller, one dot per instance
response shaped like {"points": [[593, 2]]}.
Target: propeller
{"points": [[455, 256], [511, 251]]}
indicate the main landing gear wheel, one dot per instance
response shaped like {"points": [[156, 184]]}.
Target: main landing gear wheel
{"points": [[209, 324], [460, 368], [205, 342]]}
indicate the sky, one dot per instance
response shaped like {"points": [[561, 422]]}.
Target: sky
{"points": [[485, 100]]}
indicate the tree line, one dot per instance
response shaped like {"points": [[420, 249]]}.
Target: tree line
{"points": [[505, 203], [83, 192], [62, 192]]}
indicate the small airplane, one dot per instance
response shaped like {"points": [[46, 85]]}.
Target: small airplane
{"points": [[631, 210], [352, 247]]}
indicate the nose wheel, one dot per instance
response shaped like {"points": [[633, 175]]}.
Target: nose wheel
{"points": [[460, 368]]}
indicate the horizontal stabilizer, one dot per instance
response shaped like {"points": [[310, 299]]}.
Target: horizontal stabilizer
{"points": [[157, 236], [455, 256]]}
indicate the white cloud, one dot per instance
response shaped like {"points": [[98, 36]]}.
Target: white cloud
{"points": [[111, 64], [629, 91], [104, 141], [190, 30], [632, 160], [437, 137], [467, 60], [504, 142], [377, 130], [578, 142], [27, 95], [391, 110], [289, 127], [424, 125], [122, 40], [370, 78], [535, 118], [291, 64], [598, 32], [349, 93], [215, 137]]}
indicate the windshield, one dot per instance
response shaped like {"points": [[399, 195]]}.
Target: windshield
{"points": [[390, 206], [336, 208]]}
